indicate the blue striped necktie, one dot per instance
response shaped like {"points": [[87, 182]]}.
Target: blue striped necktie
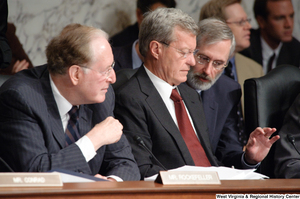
{"points": [[72, 133]]}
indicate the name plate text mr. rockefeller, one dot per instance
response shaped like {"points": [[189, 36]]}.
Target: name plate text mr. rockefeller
{"points": [[188, 177]]}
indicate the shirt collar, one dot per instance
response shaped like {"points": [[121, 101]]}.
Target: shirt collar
{"points": [[267, 51], [164, 88], [63, 105], [136, 61]]}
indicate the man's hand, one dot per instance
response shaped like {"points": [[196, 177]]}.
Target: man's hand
{"points": [[259, 144], [108, 131], [20, 65], [105, 178]]}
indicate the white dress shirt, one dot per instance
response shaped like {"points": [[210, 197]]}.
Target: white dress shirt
{"points": [[136, 60], [267, 52], [165, 89]]}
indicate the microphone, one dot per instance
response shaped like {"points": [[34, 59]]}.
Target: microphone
{"points": [[6, 165], [141, 143], [292, 141]]}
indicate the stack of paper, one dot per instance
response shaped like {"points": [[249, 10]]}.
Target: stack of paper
{"points": [[225, 173]]}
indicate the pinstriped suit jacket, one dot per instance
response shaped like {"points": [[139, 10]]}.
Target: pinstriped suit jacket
{"points": [[32, 137]]}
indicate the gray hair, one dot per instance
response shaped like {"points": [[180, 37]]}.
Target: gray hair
{"points": [[213, 30], [159, 25]]}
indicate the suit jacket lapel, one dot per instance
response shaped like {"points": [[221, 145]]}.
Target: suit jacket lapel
{"points": [[195, 107], [160, 110], [85, 120], [54, 117], [285, 56], [256, 43], [198, 118]]}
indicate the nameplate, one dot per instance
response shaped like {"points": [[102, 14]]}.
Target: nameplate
{"points": [[16, 179], [188, 177]]}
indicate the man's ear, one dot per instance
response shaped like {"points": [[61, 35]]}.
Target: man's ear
{"points": [[74, 73], [155, 48]]}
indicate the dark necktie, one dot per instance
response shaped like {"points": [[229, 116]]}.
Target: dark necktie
{"points": [[270, 62], [185, 127], [72, 133], [240, 118]]}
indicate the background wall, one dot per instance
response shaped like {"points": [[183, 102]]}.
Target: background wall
{"points": [[38, 21]]}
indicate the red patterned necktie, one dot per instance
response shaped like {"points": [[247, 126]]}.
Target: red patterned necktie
{"points": [[72, 133], [185, 127]]}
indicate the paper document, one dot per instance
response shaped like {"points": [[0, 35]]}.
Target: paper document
{"points": [[225, 173], [71, 176]]}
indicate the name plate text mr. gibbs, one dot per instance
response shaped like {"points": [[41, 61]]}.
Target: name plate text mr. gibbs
{"points": [[25, 179], [188, 177]]}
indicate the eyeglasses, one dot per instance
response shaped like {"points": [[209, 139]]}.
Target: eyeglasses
{"points": [[202, 59], [183, 53], [105, 73], [240, 23]]}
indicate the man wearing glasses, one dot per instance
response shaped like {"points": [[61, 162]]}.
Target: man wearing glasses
{"points": [[239, 67], [231, 12], [273, 44], [60, 115], [220, 95], [148, 104]]}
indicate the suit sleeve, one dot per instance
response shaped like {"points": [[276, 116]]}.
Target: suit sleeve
{"points": [[26, 141], [287, 160], [118, 158]]}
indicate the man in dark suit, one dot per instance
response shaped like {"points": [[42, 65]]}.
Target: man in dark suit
{"points": [[273, 44], [143, 104], [221, 94], [286, 156], [37, 132], [131, 33]]}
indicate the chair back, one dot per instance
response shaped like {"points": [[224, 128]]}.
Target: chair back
{"points": [[267, 100]]}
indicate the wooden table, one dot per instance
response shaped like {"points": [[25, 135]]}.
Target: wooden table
{"points": [[142, 189]]}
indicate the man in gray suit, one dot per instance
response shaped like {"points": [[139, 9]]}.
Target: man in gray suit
{"points": [[36, 128], [143, 105]]}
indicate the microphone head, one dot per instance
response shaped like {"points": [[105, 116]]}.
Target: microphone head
{"points": [[138, 140], [291, 138]]}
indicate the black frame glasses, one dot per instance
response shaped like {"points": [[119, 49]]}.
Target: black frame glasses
{"points": [[241, 22]]}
